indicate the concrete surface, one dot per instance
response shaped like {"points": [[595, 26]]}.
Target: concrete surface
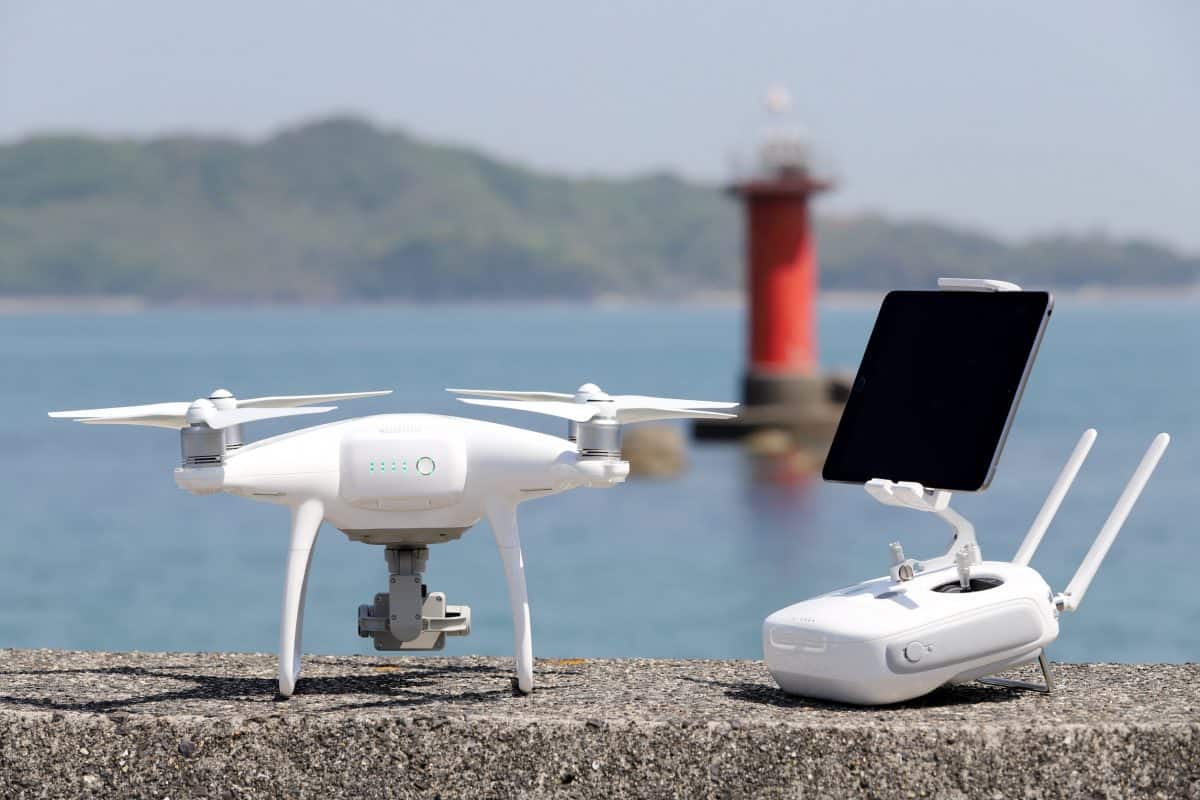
{"points": [[155, 725]]}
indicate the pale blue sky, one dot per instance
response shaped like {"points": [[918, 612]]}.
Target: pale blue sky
{"points": [[1013, 117]]}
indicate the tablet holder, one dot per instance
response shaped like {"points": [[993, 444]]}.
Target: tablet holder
{"points": [[964, 549]]}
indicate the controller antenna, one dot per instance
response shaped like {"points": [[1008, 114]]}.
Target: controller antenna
{"points": [[1058, 491], [1070, 599]]}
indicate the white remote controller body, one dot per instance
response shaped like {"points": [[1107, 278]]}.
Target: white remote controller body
{"points": [[872, 644], [950, 619]]}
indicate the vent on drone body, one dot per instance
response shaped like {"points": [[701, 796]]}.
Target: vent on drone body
{"points": [[594, 416]]}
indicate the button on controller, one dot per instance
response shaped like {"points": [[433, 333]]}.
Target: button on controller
{"points": [[913, 652], [425, 465]]}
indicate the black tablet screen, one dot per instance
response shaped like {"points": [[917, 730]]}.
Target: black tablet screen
{"points": [[937, 388]]}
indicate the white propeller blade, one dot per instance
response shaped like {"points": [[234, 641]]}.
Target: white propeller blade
{"points": [[621, 400], [237, 416], [579, 412], [625, 415], [172, 421], [642, 401], [293, 400], [175, 415], [148, 410], [498, 395], [582, 412], [214, 418]]}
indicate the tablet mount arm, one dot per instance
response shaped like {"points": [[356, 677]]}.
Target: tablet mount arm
{"points": [[964, 551]]}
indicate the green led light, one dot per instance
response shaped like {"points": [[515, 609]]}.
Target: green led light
{"points": [[372, 466], [393, 465]]}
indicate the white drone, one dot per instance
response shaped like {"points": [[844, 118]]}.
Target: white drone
{"points": [[404, 481]]}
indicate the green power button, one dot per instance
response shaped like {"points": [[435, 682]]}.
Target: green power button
{"points": [[425, 465]]}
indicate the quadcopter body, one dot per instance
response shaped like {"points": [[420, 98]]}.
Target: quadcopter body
{"points": [[405, 482], [414, 479]]}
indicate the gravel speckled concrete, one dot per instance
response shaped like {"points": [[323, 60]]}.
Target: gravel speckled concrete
{"points": [[154, 725]]}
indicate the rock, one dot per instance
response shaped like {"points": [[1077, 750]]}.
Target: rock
{"points": [[654, 451], [839, 385], [769, 442]]}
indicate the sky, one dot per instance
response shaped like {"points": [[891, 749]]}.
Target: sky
{"points": [[1015, 118]]}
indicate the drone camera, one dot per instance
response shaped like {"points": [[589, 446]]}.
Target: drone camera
{"points": [[434, 623], [408, 616]]}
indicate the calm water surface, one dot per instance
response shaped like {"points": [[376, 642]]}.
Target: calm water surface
{"points": [[99, 549]]}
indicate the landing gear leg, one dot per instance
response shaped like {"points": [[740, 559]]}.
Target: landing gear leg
{"points": [[502, 516], [306, 521]]}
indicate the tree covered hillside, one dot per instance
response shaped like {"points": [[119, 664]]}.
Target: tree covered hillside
{"points": [[341, 210]]}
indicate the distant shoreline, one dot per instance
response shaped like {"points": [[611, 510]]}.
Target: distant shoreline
{"points": [[65, 304], [12, 305]]}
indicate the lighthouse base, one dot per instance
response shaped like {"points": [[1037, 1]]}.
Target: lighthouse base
{"points": [[805, 407], [801, 391]]}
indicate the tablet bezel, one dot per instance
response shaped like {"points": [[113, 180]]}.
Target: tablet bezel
{"points": [[1012, 411]]}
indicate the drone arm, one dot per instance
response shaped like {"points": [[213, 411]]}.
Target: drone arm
{"points": [[306, 521], [502, 516]]}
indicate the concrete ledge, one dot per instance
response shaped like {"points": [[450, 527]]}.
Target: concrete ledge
{"points": [[154, 725]]}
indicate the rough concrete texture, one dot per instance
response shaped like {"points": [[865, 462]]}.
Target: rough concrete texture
{"points": [[154, 725]]}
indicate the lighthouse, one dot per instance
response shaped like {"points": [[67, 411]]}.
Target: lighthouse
{"points": [[781, 265], [782, 385]]}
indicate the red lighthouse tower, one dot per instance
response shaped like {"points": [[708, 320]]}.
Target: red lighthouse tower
{"points": [[781, 265], [781, 283], [781, 386]]}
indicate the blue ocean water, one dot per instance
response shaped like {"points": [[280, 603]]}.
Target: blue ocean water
{"points": [[100, 550]]}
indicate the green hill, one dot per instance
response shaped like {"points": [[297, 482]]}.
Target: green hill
{"points": [[339, 209]]}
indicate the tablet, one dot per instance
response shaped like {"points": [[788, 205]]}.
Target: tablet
{"points": [[938, 388]]}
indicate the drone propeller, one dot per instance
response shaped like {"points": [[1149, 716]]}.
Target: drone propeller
{"points": [[200, 411], [500, 395], [159, 415], [584, 412], [590, 402], [293, 400], [219, 410], [576, 412]]}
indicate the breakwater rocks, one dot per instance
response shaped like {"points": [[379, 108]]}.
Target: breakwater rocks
{"points": [[178, 725]]}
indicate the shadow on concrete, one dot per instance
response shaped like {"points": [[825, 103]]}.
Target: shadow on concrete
{"points": [[942, 697], [403, 687]]}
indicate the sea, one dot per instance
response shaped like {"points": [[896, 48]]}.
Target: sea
{"points": [[100, 550]]}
